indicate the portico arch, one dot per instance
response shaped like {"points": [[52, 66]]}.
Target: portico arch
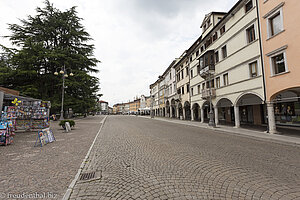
{"points": [[187, 109], [196, 113], [225, 110]]}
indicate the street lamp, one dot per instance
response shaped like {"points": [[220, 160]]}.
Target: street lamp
{"points": [[64, 74]]}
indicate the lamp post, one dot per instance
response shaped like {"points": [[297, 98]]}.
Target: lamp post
{"points": [[64, 75], [211, 113]]}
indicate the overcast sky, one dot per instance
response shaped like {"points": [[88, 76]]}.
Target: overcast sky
{"points": [[135, 40]]}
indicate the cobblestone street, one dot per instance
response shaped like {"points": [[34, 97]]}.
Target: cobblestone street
{"points": [[48, 170], [139, 158]]}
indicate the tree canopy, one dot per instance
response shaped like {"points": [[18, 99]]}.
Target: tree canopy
{"points": [[44, 44]]}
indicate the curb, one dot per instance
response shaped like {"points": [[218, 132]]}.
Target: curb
{"points": [[252, 133], [72, 184]]}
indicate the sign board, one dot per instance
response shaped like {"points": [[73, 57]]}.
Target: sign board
{"points": [[44, 137], [68, 127]]}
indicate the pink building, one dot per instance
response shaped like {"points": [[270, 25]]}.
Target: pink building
{"points": [[280, 34]]}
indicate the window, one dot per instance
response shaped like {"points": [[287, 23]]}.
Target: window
{"points": [[191, 73], [192, 91], [202, 48], [203, 86], [197, 53], [181, 74], [250, 34], [178, 91], [212, 83], [253, 69], [248, 6], [215, 36], [199, 89], [198, 69], [182, 90], [222, 30], [217, 56], [224, 52], [225, 79], [187, 71], [191, 58], [278, 64], [170, 76], [275, 24], [187, 88], [218, 82]]}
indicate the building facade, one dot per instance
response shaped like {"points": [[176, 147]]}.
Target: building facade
{"points": [[280, 41]]}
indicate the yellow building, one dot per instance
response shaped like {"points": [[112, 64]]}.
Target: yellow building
{"points": [[134, 106]]}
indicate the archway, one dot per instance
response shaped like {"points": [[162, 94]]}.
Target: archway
{"points": [[250, 109], [180, 110], [225, 111], [287, 106], [187, 109], [196, 108], [206, 110], [167, 108], [173, 107]]}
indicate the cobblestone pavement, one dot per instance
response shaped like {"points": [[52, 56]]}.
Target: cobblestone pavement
{"points": [[45, 172], [144, 159]]}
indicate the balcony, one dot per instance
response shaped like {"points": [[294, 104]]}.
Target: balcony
{"points": [[208, 69], [207, 64], [205, 93], [177, 97]]}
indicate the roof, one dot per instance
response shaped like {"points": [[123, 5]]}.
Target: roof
{"points": [[9, 91]]}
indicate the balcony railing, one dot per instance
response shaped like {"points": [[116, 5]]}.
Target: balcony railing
{"points": [[205, 94], [177, 97], [208, 69]]}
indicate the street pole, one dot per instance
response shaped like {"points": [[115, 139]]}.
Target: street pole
{"points": [[62, 97], [152, 114], [211, 113]]}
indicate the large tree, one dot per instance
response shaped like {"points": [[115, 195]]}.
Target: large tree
{"points": [[46, 42]]}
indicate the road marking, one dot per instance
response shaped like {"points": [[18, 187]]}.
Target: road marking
{"points": [[71, 186]]}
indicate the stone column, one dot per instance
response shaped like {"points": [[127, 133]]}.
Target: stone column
{"points": [[171, 112], [202, 114], [192, 114], [237, 116], [271, 118], [177, 110], [183, 113], [216, 115]]}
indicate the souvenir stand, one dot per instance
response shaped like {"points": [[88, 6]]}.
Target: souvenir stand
{"points": [[22, 114]]}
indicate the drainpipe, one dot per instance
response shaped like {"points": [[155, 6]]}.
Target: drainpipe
{"points": [[262, 61]]}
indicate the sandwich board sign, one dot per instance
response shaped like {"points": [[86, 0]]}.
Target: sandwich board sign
{"points": [[44, 137], [68, 127]]}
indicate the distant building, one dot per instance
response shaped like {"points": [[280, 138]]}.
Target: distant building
{"points": [[145, 105], [103, 107]]}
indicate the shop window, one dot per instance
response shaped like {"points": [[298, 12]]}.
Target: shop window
{"points": [[278, 64], [250, 34]]}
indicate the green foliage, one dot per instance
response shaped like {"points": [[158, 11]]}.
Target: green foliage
{"points": [[62, 122], [46, 42]]}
